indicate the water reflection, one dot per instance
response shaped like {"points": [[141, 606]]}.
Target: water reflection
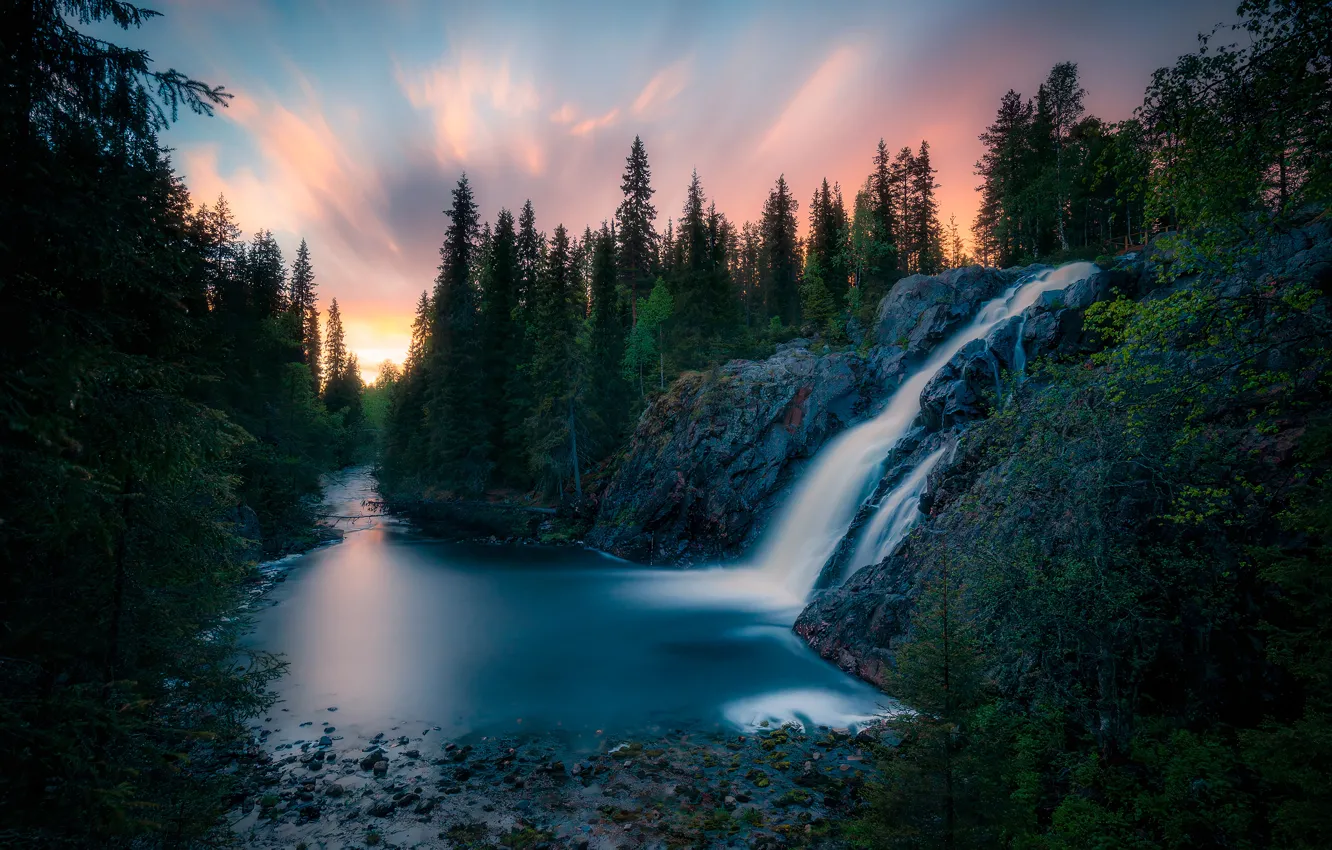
{"points": [[390, 627]]}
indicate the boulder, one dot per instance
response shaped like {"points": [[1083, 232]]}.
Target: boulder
{"points": [[955, 393]]}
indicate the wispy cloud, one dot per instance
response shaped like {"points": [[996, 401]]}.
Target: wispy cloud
{"points": [[814, 110], [582, 128], [566, 114], [479, 109], [663, 87]]}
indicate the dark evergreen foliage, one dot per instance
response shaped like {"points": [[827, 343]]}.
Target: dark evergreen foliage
{"points": [[157, 412], [779, 270]]}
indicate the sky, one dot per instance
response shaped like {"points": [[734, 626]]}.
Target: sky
{"points": [[351, 122]]}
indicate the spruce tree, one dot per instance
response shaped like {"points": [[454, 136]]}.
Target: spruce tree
{"points": [[827, 236], [302, 303], [406, 446], [1003, 169], [923, 226], [634, 231], [460, 444], [1064, 94], [900, 177], [335, 341], [266, 276], [933, 792], [554, 368], [502, 344], [607, 394], [706, 314], [518, 390], [883, 204], [745, 271], [780, 260]]}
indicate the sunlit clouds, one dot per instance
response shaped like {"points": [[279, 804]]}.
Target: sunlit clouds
{"points": [[479, 110], [351, 124], [813, 113], [664, 86]]}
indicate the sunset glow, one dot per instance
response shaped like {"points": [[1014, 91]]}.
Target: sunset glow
{"points": [[349, 129]]}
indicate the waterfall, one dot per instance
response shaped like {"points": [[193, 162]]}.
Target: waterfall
{"points": [[894, 517], [1019, 353], [817, 515]]}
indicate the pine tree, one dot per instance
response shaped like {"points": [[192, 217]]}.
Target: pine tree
{"points": [[554, 369], [607, 393], [780, 263], [931, 793], [883, 204], [1003, 171], [924, 214], [1064, 94], [502, 344], [635, 233], [266, 276], [900, 177], [302, 302], [460, 442], [335, 344]]}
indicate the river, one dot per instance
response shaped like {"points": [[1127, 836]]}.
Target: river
{"points": [[397, 630]]}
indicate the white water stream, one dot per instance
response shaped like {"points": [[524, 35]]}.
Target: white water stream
{"points": [[819, 512], [826, 498], [894, 517]]}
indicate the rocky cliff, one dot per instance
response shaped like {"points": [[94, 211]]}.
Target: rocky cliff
{"points": [[994, 486], [711, 457]]}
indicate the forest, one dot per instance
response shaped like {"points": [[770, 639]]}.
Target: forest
{"points": [[1152, 673], [168, 408]]}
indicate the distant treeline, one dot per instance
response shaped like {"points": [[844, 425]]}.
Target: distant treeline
{"points": [[532, 355], [162, 413]]}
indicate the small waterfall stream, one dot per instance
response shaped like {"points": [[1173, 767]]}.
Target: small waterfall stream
{"points": [[817, 515], [894, 516], [1020, 353]]}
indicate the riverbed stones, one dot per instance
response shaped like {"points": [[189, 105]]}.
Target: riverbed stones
{"points": [[630, 801]]}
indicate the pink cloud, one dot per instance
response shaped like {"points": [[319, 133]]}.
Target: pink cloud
{"points": [[663, 87], [582, 128], [817, 108], [474, 106]]}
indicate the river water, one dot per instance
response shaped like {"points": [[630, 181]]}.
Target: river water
{"points": [[394, 629]]}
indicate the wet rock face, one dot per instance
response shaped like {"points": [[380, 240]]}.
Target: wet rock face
{"points": [[956, 392], [710, 459], [708, 456], [859, 624], [921, 311]]}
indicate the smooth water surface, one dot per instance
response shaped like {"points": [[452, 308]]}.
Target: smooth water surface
{"points": [[392, 628]]}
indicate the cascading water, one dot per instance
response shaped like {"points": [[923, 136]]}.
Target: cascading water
{"points": [[1020, 353], [826, 499], [894, 517]]}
